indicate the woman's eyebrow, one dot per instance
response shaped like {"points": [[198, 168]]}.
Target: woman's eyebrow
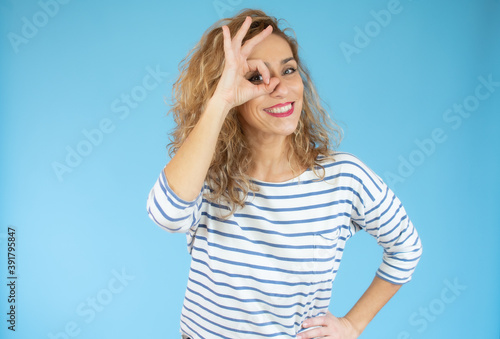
{"points": [[284, 61]]}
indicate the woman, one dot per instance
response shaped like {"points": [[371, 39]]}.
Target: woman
{"points": [[266, 204]]}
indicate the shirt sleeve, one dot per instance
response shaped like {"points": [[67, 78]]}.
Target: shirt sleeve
{"points": [[385, 218], [169, 211]]}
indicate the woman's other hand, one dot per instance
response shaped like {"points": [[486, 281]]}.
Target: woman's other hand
{"points": [[328, 326]]}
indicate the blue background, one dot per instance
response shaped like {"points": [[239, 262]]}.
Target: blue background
{"points": [[77, 230]]}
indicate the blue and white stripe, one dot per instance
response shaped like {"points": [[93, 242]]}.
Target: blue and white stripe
{"points": [[271, 265]]}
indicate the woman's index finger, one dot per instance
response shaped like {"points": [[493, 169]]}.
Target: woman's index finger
{"points": [[226, 39]]}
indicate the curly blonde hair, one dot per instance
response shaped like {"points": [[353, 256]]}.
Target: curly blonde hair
{"points": [[200, 71]]}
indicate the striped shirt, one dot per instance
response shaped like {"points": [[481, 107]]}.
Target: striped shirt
{"points": [[271, 265]]}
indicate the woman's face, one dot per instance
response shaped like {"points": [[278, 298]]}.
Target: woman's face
{"points": [[275, 114]]}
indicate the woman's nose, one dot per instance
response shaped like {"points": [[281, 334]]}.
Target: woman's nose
{"points": [[281, 89]]}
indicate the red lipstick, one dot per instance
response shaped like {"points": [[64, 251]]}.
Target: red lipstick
{"points": [[280, 110]]}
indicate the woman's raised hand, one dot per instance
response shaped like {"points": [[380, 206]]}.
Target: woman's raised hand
{"points": [[233, 87]]}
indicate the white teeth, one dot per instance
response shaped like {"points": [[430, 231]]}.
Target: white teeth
{"points": [[280, 109]]}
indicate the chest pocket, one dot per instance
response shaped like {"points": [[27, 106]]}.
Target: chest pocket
{"points": [[325, 248]]}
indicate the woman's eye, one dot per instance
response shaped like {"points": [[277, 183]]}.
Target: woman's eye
{"points": [[255, 78], [290, 70]]}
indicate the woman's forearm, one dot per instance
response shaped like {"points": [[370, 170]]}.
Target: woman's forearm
{"points": [[374, 298], [187, 170]]}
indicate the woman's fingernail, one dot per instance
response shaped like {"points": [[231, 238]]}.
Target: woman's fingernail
{"points": [[305, 324]]}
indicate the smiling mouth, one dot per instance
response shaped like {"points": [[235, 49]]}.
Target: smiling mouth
{"points": [[280, 111]]}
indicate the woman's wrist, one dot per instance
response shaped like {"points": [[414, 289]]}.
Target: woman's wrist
{"points": [[217, 104]]}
